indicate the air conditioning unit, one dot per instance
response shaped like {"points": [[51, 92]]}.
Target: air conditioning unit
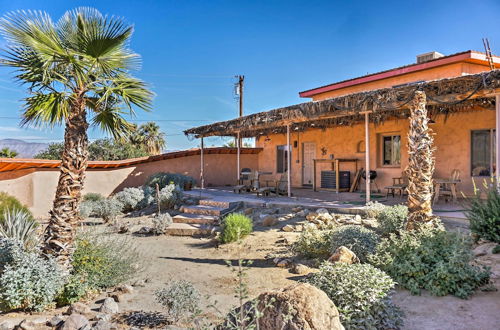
{"points": [[428, 57]]}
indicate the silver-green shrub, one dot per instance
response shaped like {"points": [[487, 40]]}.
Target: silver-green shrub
{"points": [[180, 298], [373, 209], [107, 209], [130, 198], [392, 219], [362, 294], [161, 222], [20, 226], [86, 209], [28, 281], [92, 197], [170, 196], [313, 243], [360, 240]]}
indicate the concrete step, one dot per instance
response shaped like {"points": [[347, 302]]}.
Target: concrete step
{"points": [[203, 210], [195, 218], [218, 203], [186, 229]]}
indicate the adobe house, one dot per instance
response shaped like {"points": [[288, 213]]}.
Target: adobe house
{"points": [[346, 118]]}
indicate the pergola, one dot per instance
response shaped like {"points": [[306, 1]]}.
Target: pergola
{"points": [[443, 96]]}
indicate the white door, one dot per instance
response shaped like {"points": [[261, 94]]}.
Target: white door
{"points": [[308, 154]]}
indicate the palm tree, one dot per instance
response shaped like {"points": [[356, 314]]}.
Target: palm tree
{"points": [[421, 164], [151, 137], [77, 72], [8, 153]]}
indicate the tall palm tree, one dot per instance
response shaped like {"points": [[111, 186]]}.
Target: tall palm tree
{"points": [[8, 153], [150, 135], [421, 164], [77, 72]]}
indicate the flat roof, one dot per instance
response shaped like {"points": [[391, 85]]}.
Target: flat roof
{"points": [[468, 56]]}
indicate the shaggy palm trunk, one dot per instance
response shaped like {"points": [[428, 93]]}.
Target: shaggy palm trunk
{"points": [[421, 164], [59, 235]]}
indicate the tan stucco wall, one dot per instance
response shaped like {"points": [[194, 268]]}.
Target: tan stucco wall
{"points": [[36, 187], [452, 141]]}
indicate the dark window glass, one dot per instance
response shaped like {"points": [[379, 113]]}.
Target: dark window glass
{"points": [[391, 150], [482, 152], [281, 159]]}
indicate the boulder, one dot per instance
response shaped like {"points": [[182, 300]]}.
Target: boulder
{"points": [[75, 322], [297, 209], [297, 307], [109, 306], [343, 254], [126, 288], [248, 211], [288, 228], [302, 213], [79, 308], [117, 297], [311, 216], [104, 325], [269, 221], [300, 269], [55, 321], [324, 215], [26, 325]]}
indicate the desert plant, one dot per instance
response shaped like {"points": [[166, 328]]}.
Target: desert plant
{"points": [[360, 240], [18, 225], [170, 196], [430, 259], [75, 288], [373, 209], [235, 226], [130, 198], [362, 294], [161, 222], [107, 209], [496, 249], [8, 202], [8, 248], [164, 179], [180, 298], [86, 209], [92, 197], [28, 281], [484, 214], [392, 219], [105, 260], [313, 243]]}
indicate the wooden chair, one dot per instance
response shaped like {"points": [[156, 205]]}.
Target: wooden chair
{"points": [[399, 185], [245, 182], [280, 187], [449, 189]]}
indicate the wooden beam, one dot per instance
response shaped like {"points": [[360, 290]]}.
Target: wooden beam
{"points": [[367, 156], [497, 135], [289, 161], [202, 165]]}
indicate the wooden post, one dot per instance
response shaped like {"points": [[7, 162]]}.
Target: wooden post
{"points": [[289, 161], [367, 155], [238, 150], [202, 165], [497, 140]]}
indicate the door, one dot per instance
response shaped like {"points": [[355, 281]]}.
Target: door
{"points": [[308, 154]]}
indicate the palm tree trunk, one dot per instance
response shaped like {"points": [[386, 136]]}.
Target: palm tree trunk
{"points": [[421, 164], [59, 235]]}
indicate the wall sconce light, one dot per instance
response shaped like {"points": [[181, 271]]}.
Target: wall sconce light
{"points": [[295, 144], [267, 139]]}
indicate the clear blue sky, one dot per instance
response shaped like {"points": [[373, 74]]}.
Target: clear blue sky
{"points": [[191, 50]]}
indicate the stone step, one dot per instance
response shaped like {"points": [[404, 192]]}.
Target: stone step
{"points": [[195, 218], [203, 209], [218, 203], [186, 229]]}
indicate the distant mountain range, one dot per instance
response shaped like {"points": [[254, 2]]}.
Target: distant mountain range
{"points": [[23, 148]]}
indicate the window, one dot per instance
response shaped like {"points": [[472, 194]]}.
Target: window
{"points": [[281, 159], [391, 150], [483, 152]]}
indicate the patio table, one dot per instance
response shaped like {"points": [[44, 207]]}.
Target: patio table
{"points": [[445, 182], [265, 173]]}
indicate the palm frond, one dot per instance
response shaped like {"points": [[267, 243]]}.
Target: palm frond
{"points": [[41, 109], [111, 121]]}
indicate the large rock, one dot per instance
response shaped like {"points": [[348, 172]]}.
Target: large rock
{"points": [[297, 307], [75, 322], [269, 221], [109, 306], [343, 254], [80, 308]]}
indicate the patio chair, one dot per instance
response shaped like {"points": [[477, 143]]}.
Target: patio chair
{"points": [[398, 186], [449, 189], [280, 188], [245, 181]]}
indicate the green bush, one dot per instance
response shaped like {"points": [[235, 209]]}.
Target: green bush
{"points": [[313, 243], [130, 198], [75, 288], [496, 249], [373, 209], [164, 179], [161, 222], [392, 219], [360, 240], [105, 260], [92, 197], [484, 216], [235, 226], [20, 226], [180, 298], [28, 281], [430, 259], [8, 202], [362, 294], [170, 196]]}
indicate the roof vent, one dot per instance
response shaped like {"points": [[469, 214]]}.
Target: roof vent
{"points": [[428, 57]]}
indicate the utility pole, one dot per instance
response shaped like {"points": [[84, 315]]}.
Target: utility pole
{"points": [[239, 92]]}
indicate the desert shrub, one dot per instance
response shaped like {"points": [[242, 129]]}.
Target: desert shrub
{"points": [[313, 243], [360, 240], [161, 222], [373, 209], [484, 216], [8, 247], [235, 226], [107, 209], [496, 249], [28, 281], [75, 288], [20, 226], [92, 197], [130, 198], [86, 209], [105, 260], [164, 179], [180, 298], [392, 219], [362, 294], [8, 202], [430, 259], [170, 195], [149, 197]]}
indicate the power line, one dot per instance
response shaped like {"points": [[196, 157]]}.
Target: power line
{"points": [[141, 120]]}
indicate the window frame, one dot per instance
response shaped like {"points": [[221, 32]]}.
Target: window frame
{"points": [[492, 133], [382, 148], [286, 154]]}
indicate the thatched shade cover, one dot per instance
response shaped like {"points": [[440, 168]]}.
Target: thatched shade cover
{"points": [[444, 96]]}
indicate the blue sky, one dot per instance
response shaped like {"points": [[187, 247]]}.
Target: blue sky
{"points": [[191, 51]]}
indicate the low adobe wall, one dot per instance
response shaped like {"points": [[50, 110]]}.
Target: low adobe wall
{"points": [[36, 187]]}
